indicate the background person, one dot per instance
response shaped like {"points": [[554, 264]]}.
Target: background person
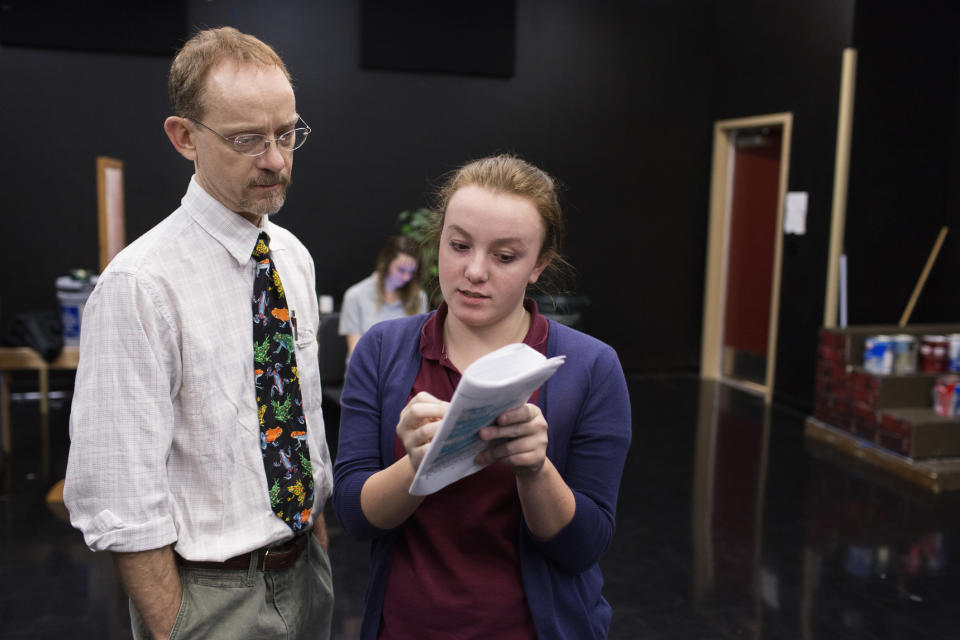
{"points": [[511, 551], [179, 420], [391, 291]]}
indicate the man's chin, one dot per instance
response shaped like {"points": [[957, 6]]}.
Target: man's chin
{"points": [[265, 207]]}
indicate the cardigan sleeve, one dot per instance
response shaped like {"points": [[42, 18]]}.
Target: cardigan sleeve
{"points": [[358, 450], [588, 412], [377, 385]]}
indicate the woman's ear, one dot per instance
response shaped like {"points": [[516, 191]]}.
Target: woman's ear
{"points": [[542, 264], [181, 136]]}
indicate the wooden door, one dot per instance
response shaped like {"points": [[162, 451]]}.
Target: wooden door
{"points": [[742, 292]]}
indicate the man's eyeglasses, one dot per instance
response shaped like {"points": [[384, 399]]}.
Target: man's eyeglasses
{"points": [[256, 144]]}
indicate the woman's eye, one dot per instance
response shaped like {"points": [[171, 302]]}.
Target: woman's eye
{"points": [[506, 257], [458, 246]]}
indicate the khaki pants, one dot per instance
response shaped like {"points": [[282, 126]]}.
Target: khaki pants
{"points": [[292, 603]]}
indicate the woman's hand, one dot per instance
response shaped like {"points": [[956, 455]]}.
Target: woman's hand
{"points": [[418, 424], [385, 497], [524, 449]]}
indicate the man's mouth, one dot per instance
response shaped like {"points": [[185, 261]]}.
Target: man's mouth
{"points": [[270, 181]]}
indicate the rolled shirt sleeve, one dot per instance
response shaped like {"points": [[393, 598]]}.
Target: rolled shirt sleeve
{"points": [[116, 483]]}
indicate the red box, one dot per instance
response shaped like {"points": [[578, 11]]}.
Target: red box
{"points": [[866, 421], [832, 355], [895, 434]]}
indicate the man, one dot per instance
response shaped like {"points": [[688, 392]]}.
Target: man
{"points": [[198, 453]]}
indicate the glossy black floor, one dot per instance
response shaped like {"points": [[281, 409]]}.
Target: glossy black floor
{"points": [[729, 526]]}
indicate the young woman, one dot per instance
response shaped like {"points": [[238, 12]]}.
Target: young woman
{"points": [[391, 291], [511, 551]]}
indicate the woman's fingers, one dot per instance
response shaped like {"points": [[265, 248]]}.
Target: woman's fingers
{"points": [[523, 413], [522, 433], [516, 423], [418, 424], [422, 408], [422, 435]]}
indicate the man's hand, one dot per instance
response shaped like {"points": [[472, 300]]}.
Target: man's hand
{"points": [[320, 531], [153, 583]]}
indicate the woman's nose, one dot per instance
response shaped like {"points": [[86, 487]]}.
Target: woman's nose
{"points": [[476, 270]]}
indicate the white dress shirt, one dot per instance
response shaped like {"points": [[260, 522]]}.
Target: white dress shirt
{"points": [[164, 428]]}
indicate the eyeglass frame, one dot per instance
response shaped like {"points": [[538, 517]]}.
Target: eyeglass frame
{"points": [[233, 140]]}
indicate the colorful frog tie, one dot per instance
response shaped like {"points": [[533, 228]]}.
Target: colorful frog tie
{"points": [[283, 430]]}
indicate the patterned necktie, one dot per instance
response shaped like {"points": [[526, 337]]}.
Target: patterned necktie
{"points": [[283, 430]]}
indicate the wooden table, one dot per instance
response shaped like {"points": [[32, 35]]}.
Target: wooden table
{"points": [[26, 359]]}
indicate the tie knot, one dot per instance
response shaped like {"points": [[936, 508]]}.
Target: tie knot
{"points": [[263, 246]]}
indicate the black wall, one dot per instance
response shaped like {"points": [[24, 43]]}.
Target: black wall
{"points": [[616, 99], [612, 98], [774, 57], [905, 162]]}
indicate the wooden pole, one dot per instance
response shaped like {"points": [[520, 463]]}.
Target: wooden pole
{"points": [[841, 171], [923, 276]]}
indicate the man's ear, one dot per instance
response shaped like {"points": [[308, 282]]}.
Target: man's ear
{"points": [[181, 136]]}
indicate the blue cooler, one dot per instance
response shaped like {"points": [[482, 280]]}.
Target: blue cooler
{"points": [[72, 293]]}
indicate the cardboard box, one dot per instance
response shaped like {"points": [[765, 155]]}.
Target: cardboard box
{"points": [[919, 433], [889, 391]]}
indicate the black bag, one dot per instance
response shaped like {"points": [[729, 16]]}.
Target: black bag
{"points": [[42, 331]]}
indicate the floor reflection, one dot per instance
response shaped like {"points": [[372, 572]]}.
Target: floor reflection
{"points": [[730, 467], [879, 560], [729, 525]]}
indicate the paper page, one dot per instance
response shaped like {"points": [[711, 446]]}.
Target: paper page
{"points": [[795, 220], [497, 382]]}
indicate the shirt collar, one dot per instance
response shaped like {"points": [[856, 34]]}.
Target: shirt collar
{"points": [[431, 336], [229, 228]]}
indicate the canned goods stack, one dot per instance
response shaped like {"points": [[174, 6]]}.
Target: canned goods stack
{"points": [[885, 355], [946, 396]]}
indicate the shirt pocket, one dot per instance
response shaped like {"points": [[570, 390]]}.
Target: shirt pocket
{"points": [[308, 366], [219, 377]]}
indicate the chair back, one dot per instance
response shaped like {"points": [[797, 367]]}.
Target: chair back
{"points": [[333, 350]]}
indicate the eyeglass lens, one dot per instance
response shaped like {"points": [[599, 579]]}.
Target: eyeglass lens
{"points": [[255, 143]]}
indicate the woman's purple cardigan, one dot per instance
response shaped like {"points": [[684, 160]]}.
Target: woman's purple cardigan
{"points": [[587, 408]]}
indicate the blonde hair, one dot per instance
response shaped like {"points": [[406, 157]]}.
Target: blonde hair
{"points": [[204, 51]]}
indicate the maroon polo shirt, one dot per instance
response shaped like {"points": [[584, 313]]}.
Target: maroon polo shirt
{"points": [[455, 571]]}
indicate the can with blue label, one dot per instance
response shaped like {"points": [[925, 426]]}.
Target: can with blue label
{"points": [[954, 351], [878, 355]]}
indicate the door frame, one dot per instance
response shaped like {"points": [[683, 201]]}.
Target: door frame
{"points": [[718, 244]]}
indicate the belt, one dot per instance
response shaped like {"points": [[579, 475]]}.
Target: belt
{"points": [[268, 558]]}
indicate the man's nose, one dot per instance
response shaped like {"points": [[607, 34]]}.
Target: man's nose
{"points": [[272, 159]]}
